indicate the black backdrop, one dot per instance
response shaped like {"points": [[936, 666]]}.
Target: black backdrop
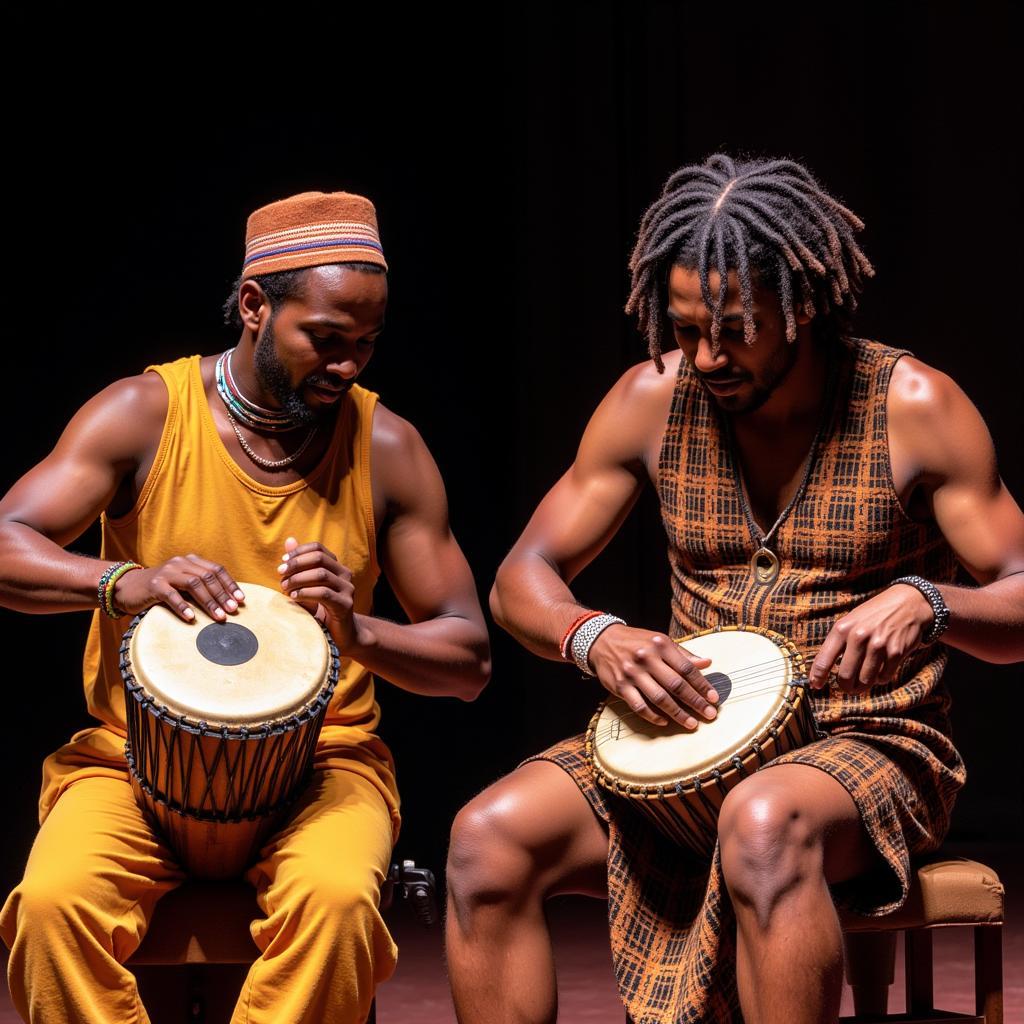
{"points": [[510, 163]]}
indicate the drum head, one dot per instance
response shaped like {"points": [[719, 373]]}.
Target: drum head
{"points": [[263, 664], [757, 674]]}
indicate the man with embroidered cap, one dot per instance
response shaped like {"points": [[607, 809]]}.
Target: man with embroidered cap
{"points": [[267, 463]]}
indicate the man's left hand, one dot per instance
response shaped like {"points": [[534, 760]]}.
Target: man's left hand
{"points": [[313, 577], [870, 642]]}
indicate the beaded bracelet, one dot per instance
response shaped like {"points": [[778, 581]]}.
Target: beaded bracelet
{"points": [[584, 637], [563, 647], [940, 613], [105, 588]]}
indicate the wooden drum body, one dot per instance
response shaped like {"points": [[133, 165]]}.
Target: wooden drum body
{"points": [[679, 779], [223, 720]]}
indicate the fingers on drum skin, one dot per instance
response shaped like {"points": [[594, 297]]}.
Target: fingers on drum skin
{"points": [[682, 690], [196, 586], [223, 578], [638, 706], [203, 581], [688, 668], [167, 595], [647, 698]]}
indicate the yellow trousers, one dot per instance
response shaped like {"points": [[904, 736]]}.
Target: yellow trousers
{"points": [[97, 870]]}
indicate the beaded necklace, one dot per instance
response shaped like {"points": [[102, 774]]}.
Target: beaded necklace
{"points": [[254, 416]]}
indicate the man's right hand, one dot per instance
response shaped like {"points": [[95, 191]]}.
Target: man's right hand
{"points": [[651, 673], [209, 585]]}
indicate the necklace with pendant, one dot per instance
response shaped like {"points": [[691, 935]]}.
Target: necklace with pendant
{"points": [[764, 563]]}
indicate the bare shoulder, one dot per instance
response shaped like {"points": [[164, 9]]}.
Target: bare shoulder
{"points": [[931, 418], [628, 425], [917, 389], [395, 439], [404, 477], [126, 417], [642, 386]]}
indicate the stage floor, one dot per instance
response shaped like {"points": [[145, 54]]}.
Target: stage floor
{"points": [[418, 993]]}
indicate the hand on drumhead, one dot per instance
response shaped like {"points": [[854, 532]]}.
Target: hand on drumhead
{"points": [[313, 577], [870, 642], [208, 584], [654, 676]]}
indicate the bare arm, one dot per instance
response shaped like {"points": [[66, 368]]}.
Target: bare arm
{"points": [[938, 439], [444, 649], [102, 456], [972, 507], [577, 518], [575, 521], [52, 504]]}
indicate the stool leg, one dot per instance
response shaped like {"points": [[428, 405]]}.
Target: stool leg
{"points": [[988, 973], [870, 968], [920, 997]]}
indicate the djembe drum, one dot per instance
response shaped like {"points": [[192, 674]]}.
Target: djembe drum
{"points": [[223, 719], [678, 778]]}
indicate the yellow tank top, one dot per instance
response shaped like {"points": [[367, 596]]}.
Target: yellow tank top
{"points": [[198, 499]]}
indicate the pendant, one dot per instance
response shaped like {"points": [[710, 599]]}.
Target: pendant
{"points": [[764, 565]]}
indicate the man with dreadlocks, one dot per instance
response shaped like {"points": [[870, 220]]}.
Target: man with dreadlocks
{"points": [[810, 483]]}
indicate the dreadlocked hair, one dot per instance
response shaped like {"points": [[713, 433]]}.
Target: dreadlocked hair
{"points": [[768, 220]]}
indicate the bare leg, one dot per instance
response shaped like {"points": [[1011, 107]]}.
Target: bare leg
{"points": [[529, 836], [785, 834]]}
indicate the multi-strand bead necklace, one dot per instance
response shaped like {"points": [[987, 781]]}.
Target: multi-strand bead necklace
{"points": [[255, 417]]}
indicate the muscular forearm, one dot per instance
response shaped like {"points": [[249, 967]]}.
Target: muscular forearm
{"points": [[39, 576], [444, 657], [531, 601], [988, 621]]}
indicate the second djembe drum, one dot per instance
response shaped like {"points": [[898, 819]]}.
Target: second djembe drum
{"points": [[223, 719], [680, 779]]}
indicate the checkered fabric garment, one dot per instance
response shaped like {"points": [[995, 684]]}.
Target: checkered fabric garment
{"points": [[672, 924]]}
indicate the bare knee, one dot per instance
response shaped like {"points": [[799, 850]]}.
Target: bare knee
{"points": [[769, 847], [489, 858]]}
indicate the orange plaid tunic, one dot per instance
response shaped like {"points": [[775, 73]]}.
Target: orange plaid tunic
{"points": [[846, 539]]}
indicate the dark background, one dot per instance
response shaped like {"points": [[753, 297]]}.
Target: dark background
{"points": [[510, 163]]}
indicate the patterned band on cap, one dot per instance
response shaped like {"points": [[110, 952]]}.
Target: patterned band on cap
{"points": [[350, 240], [312, 229]]}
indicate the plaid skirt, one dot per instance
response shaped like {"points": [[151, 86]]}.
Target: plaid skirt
{"points": [[673, 930]]}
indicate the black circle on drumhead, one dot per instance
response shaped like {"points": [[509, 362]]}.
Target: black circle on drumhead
{"points": [[719, 680], [227, 643]]}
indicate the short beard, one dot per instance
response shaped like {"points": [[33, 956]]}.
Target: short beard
{"points": [[763, 389], [273, 379]]}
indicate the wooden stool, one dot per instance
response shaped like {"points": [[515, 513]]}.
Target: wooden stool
{"points": [[944, 893], [201, 930]]}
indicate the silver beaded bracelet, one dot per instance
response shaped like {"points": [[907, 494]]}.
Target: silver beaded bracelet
{"points": [[931, 594], [584, 637]]}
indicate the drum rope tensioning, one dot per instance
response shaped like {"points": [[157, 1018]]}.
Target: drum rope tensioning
{"points": [[679, 778], [223, 720]]}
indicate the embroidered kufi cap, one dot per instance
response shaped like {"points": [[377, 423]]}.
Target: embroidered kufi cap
{"points": [[309, 230]]}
